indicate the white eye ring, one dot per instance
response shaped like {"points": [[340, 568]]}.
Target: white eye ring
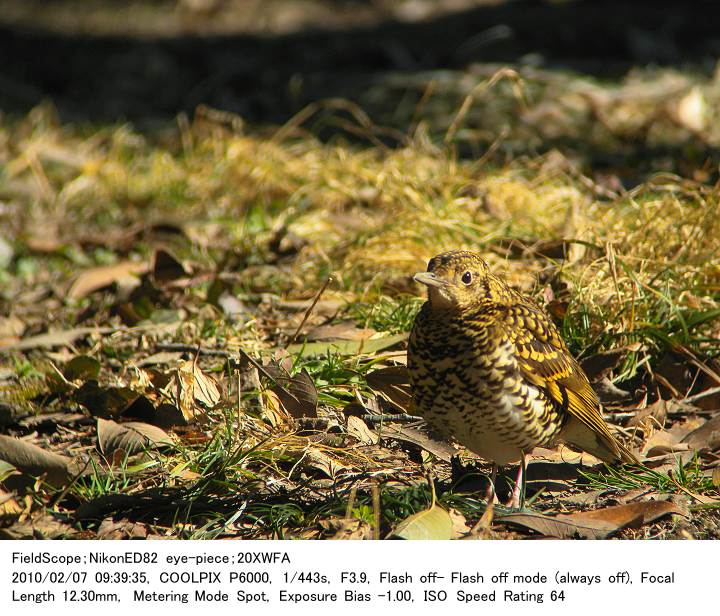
{"points": [[466, 278]]}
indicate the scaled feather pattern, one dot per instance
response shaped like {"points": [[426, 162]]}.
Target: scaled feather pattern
{"points": [[488, 368]]}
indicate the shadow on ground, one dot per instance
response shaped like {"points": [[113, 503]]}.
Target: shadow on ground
{"points": [[268, 79]]}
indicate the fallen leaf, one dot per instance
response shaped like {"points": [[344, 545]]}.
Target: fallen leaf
{"points": [[166, 267], [50, 421], [35, 461], [121, 529], [647, 511], [358, 409], [104, 401], [97, 278], [554, 527], [563, 454], [439, 449], [586, 498], [346, 330], [676, 372], [56, 338], [668, 460], [142, 409], [651, 418], [7, 470], [119, 458], [283, 360], [597, 524], [180, 470], [205, 388], [706, 436], [609, 393], [167, 416], [432, 523], [272, 409], [82, 367], [132, 436], [460, 527], [139, 379], [682, 374], [190, 386], [9, 507], [346, 529], [393, 383], [347, 347], [483, 527], [43, 526], [357, 428], [321, 461], [298, 393], [661, 442]]}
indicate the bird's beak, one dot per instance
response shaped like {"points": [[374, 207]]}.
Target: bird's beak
{"points": [[429, 279]]}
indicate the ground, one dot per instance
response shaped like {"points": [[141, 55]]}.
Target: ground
{"points": [[203, 318]]}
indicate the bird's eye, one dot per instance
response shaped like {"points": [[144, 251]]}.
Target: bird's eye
{"points": [[466, 278]]}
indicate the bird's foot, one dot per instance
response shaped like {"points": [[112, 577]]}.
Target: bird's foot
{"points": [[516, 504], [516, 498]]}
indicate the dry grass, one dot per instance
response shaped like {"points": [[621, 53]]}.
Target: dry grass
{"points": [[639, 263]]}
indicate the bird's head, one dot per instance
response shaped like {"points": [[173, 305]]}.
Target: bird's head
{"points": [[459, 280]]}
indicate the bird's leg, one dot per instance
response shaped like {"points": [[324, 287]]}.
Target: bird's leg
{"points": [[517, 501], [490, 493]]}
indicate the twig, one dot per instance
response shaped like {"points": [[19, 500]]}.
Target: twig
{"points": [[351, 501], [178, 347], [308, 311], [703, 394], [399, 418], [431, 484], [705, 500]]}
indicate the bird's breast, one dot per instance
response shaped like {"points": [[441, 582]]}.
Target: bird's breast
{"points": [[467, 385]]}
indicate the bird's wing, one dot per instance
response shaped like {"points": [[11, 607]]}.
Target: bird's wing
{"points": [[544, 360]]}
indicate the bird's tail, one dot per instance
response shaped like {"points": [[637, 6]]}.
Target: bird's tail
{"points": [[626, 456], [602, 445]]}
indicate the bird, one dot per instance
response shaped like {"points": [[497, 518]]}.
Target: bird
{"points": [[489, 369]]}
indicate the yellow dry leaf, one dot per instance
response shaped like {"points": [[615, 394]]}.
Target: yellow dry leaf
{"points": [[189, 387]]}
